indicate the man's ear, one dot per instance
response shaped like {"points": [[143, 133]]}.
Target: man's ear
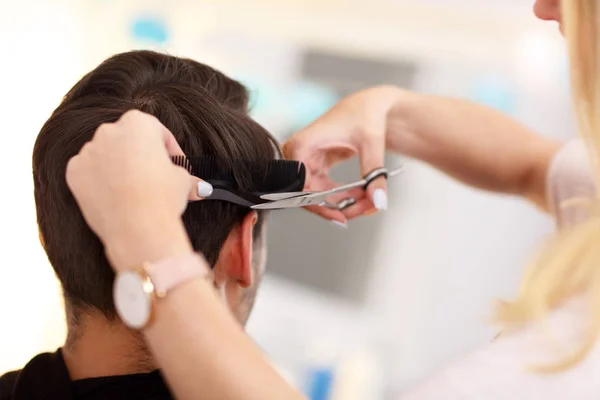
{"points": [[235, 260]]}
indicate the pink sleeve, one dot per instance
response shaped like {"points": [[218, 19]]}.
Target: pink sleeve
{"points": [[570, 179]]}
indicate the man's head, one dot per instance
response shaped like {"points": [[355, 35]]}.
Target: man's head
{"points": [[207, 113]]}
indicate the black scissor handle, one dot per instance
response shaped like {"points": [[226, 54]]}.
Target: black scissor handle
{"points": [[376, 173]]}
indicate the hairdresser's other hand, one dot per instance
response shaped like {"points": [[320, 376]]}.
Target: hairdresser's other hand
{"points": [[356, 126], [129, 191]]}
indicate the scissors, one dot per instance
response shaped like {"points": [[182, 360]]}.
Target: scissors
{"points": [[303, 199]]}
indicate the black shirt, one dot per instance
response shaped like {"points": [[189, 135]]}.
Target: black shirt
{"points": [[46, 377]]}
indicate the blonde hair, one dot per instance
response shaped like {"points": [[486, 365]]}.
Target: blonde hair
{"points": [[570, 265]]}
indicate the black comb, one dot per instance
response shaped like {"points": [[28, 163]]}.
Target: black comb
{"points": [[278, 176]]}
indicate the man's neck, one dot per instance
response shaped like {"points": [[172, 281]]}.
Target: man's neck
{"points": [[97, 347]]}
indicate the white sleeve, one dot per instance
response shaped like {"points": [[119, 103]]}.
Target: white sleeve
{"points": [[499, 371], [569, 180]]}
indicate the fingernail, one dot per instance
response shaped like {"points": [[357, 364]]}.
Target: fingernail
{"points": [[205, 189], [380, 199], [339, 224]]}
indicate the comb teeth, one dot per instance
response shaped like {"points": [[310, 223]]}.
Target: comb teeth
{"points": [[279, 176], [183, 162]]}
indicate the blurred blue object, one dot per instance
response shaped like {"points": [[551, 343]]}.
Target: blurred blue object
{"points": [[149, 29], [494, 92], [298, 106], [308, 101], [320, 382]]}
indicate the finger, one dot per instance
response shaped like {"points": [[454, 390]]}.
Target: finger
{"points": [[372, 155], [363, 207], [196, 188], [137, 116], [335, 217], [288, 150], [299, 146], [102, 129], [171, 144], [322, 182], [71, 170], [356, 194], [200, 189]]}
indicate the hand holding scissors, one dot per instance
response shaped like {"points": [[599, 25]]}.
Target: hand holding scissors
{"points": [[356, 126], [304, 199]]}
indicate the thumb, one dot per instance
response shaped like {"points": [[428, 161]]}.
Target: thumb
{"points": [[372, 156], [199, 189]]}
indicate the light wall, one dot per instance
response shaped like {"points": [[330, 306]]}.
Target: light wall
{"points": [[40, 46]]}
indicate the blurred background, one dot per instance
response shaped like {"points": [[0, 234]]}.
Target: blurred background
{"points": [[374, 308]]}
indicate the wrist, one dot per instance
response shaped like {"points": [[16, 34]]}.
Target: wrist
{"points": [[134, 245], [393, 102], [401, 131], [388, 103]]}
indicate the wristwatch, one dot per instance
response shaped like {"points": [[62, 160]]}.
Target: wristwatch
{"points": [[136, 290]]}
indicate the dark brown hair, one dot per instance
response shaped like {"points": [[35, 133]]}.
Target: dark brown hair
{"points": [[207, 113]]}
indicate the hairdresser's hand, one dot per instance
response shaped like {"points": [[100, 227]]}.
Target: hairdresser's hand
{"points": [[130, 192], [356, 126], [472, 143]]}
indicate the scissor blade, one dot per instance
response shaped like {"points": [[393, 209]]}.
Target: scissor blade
{"points": [[303, 199], [396, 171], [339, 189], [291, 195], [283, 196], [285, 203]]}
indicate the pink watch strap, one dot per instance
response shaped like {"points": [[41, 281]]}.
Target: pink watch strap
{"points": [[173, 271]]}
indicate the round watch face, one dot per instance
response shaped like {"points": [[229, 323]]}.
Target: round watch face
{"points": [[132, 302]]}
